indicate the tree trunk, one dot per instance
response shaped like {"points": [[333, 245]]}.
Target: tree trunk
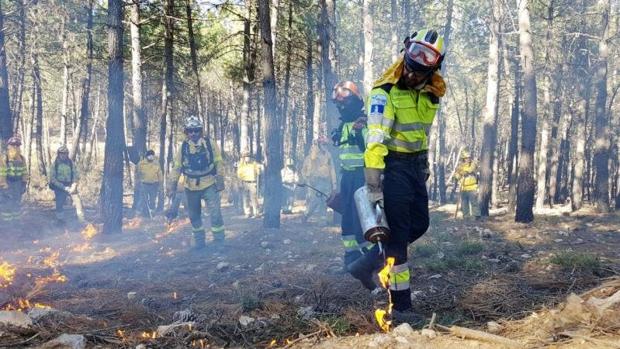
{"points": [[367, 27], [248, 82], [601, 124], [6, 121], [287, 121], [194, 57], [18, 96], [168, 91], [489, 130], [38, 116], [525, 180], [65, 79], [112, 191], [81, 132], [327, 60], [513, 147], [310, 92], [140, 122], [272, 202]]}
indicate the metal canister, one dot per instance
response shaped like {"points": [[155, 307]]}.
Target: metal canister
{"points": [[372, 218]]}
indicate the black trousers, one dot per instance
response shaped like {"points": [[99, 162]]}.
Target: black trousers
{"points": [[406, 210]]}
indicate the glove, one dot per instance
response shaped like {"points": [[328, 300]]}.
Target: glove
{"points": [[360, 123], [73, 188], [436, 85], [67, 189], [374, 185], [219, 183]]}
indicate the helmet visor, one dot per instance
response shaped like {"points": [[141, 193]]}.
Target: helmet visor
{"points": [[340, 93], [423, 54]]}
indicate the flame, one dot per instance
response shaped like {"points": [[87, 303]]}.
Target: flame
{"points": [[174, 295], [148, 335], [89, 232], [383, 316], [272, 343], [133, 223], [24, 304], [81, 247], [7, 273]]}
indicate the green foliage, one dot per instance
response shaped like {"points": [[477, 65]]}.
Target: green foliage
{"points": [[424, 250], [338, 324], [469, 247], [250, 302], [454, 263], [576, 260]]}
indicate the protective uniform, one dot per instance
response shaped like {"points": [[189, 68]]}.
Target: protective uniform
{"points": [[13, 180], [63, 179], [149, 175], [466, 175], [200, 163], [399, 119], [290, 178], [249, 172], [350, 137], [318, 171]]}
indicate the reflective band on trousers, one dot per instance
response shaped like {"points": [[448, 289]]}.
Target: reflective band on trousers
{"points": [[198, 230], [399, 277], [366, 246], [350, 244], [411, 146], [219, 229]]}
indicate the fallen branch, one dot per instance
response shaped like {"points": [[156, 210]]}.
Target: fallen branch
{"points": [[596, 341], [481, 336]]}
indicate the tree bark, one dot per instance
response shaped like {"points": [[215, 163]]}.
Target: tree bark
{"points": [[64, 124], [112, 191], [140, 122], [194, 57], [525, 179], [310, 91], [489, 130], [272, 202], [601, 123], [168, 90], [367, 27], [38, 116], [6, 120], [248, 82], [18, 95], [287, 120], [327, 60]]}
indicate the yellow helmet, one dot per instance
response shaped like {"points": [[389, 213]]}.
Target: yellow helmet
{"points": [[465, 154]]}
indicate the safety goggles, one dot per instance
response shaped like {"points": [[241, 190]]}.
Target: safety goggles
{"points": [[340, 93], [193, 130], [423, 54]]}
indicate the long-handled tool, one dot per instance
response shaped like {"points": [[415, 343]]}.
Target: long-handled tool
{"points": [[333, 201]]}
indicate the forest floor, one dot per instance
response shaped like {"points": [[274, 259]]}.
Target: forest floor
{"points": [[285, 288]]}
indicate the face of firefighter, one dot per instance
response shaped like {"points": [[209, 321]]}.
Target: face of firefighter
{"points": [[12, 151], [193, 134], [350, 108], [63, 156], [150, 158], [414, 79]]}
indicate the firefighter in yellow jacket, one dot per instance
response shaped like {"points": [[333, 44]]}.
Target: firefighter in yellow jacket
{"points": [[13, 180], [149, 175], [401, 109], [249, 172], [200, 162], [467, 176], [63, 180]]}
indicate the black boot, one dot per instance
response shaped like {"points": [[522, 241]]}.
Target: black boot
{"points": [[199, 241], [364, 269]]}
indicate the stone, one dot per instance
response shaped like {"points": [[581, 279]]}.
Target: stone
{"points": [[66, 341], [493, 260], [131, 295], [428, 333], [403, 330], [235, 284], [493, 327], [141, 346], [558, 240], [15, 318], [435, 276], [245, 321], [306, 312], [222, 265], [264, 244], [512, 267], [165, 330], [310, 267], [526, 256], [38, 314], [287, 241]]}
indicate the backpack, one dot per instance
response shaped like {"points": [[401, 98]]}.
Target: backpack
{"points": [[56, 163], [199, 164]]}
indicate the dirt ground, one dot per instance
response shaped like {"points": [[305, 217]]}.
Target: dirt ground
{"points": [[272, 288]]}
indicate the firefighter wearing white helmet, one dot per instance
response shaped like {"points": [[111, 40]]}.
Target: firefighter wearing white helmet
{"points": [[200, 162], [466, 175], [401, 109], [63, 180]]}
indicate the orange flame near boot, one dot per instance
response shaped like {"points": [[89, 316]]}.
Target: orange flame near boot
{"points": [[383, 316]]}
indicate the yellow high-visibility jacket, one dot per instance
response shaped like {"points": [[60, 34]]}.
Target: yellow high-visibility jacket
{"points": [[351, 155], [12, 167], [249, 171], [182, 165], [149, 171], [62, 173], [466, 175], [398, 119], [318, 165]]}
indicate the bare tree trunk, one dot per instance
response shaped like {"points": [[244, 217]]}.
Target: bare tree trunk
{"points": [[18, 96], [525, 185], [273, 179], [84, 109], [489, 138], [38, 95], [287, 121], [367, 27], [310, 92], [65, 79], [168, 91], [327, 60], [112, 191], [139, 115], [194, 57], [513, 147], [6, 120], [601, 124], [248, 82]]}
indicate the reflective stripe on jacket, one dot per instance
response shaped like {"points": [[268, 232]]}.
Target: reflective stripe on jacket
{"points": [[398, 120], [351, 156], [249, 171], [466, 175], [201, 183], [149, 171]]}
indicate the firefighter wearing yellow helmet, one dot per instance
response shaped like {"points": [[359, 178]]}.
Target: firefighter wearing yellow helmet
{"points": [[63, 178], [466, 175], [401, 109], [200, 163], [13, 180]]}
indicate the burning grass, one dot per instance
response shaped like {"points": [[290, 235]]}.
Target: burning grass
{"points": [[7, 273]]}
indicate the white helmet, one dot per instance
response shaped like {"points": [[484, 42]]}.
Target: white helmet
{"points": [[192, 123]]}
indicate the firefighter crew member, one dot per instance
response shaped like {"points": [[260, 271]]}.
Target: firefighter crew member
{"points": [[150, 176], [290, 178], [249, 172], [200, 162], [13, 180], [467, 176], [350, 137], [318, 171], [63, 180], [401, 109]]}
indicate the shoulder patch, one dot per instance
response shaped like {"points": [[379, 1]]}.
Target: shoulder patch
{"points": [[377, 104]]}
